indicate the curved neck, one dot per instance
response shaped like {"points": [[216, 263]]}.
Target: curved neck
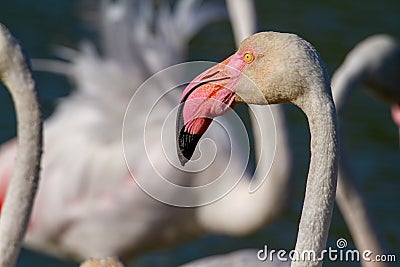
{"points": [[356, 213], [322, 176], [344, 80], [15, 214]]}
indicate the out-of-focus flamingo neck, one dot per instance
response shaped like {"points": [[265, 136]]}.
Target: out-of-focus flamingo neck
{"points": [[396, 116]]}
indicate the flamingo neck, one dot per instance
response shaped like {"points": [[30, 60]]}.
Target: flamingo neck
{"points": [[322, 176], [15, 74], [345, 79]]}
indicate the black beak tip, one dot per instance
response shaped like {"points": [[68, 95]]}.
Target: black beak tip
{"points": [[182, 159], [186, 145]]}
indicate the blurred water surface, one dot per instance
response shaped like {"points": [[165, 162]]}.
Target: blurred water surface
{"points": [[333, 27]]}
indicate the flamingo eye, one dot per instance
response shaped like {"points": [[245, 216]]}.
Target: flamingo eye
{"points": [[248, 58]]}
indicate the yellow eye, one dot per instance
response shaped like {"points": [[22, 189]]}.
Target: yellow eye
{"points": [[248, 57]]}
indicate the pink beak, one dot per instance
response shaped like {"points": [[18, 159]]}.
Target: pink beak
{"points": [[209, 95]]}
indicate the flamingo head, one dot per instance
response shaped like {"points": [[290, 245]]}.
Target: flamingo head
{"points": [[209, 95], [266, 69]]}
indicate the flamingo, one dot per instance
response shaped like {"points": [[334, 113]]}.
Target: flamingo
{"points": [[272, 68], [15, 74], [374, 62]]}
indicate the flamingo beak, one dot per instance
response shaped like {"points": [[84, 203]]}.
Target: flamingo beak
{"points": [[209, 95], [396, 116]]}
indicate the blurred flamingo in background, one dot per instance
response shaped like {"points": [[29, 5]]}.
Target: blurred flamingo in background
{"points": [[375, 63]]}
